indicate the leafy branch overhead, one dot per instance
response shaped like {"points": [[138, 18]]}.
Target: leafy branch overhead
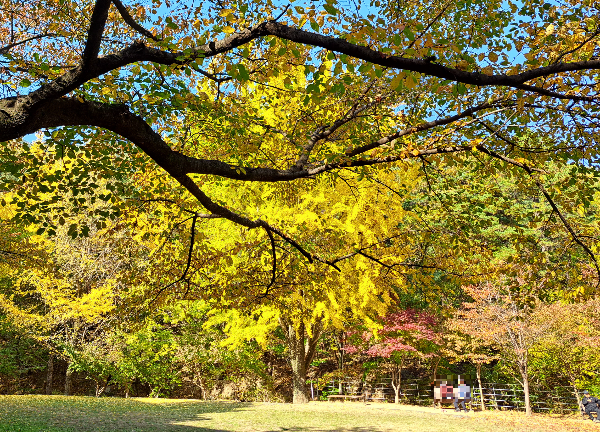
{"points": [[340, 87]]}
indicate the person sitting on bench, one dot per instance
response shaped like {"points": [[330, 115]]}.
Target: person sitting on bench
{"points": [[590, 405]]}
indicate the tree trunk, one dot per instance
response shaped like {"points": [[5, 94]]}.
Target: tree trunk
{"points": [[480, 386], [300, 392], [576, 393], [397, 380], [202, 388], [68, 379], [340, 359], [435, 368], [49, 375], [302, 349], [297, 359], [526, 390], [100, 387]]}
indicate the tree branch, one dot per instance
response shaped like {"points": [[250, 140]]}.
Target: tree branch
{"points": [[97, 23], [118, 119], [530, 170], [131, 22], [274, 268], [7, 48], [421, 127], [326, 131], [189, 260], [427, 67]]}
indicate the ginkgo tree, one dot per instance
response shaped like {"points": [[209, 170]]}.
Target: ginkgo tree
{"points": [[423, 80], [271, 282]]}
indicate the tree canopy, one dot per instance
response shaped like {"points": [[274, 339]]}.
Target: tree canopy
{"points": [[265, 92]]}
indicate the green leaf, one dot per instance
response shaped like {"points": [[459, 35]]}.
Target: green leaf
{"points": [[244, 74], [330, 9], [72, 232]]}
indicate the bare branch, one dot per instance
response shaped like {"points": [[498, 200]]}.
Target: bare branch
{"points": [[421, 127], [326, 131], [432, 22], [568, 226], [274, 268], [131, 22], [571, 51], [7, 48], [188, 264]]}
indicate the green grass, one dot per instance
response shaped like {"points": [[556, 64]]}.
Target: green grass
{"points": [[75, 414]]}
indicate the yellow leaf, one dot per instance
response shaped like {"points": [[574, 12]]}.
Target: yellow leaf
{"points": [[549, 29], [228, 29]]}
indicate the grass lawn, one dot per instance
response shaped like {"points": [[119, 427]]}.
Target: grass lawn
{"points": [[74, 414]]}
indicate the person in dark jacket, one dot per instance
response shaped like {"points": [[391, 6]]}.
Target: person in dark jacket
{"points": [[590, 404]]}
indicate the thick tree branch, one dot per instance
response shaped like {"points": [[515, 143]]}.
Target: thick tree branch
{"points": [[21, 107], [97, 23], [426, 67], [118, 119]]}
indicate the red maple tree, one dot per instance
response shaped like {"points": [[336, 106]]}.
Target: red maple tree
{"points": [[404, 334]]}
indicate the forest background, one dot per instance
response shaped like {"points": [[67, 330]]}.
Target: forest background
{"points": [[253, 194]]}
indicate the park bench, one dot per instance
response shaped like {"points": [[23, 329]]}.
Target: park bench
{"points": [[377, 396], [344, 397], [582, 412], [437, 398], [366, 397], [354, 394]]}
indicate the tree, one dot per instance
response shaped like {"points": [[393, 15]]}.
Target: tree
{"points": [[501, 318], [568, 353], [460, 347], [109, 78], [403, 334], [66, 290]]}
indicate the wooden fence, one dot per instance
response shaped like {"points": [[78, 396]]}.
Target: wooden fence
{"points": [[559, 400]]}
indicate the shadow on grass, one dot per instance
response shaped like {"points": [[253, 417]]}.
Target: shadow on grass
{"points": [[78, 414]]}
